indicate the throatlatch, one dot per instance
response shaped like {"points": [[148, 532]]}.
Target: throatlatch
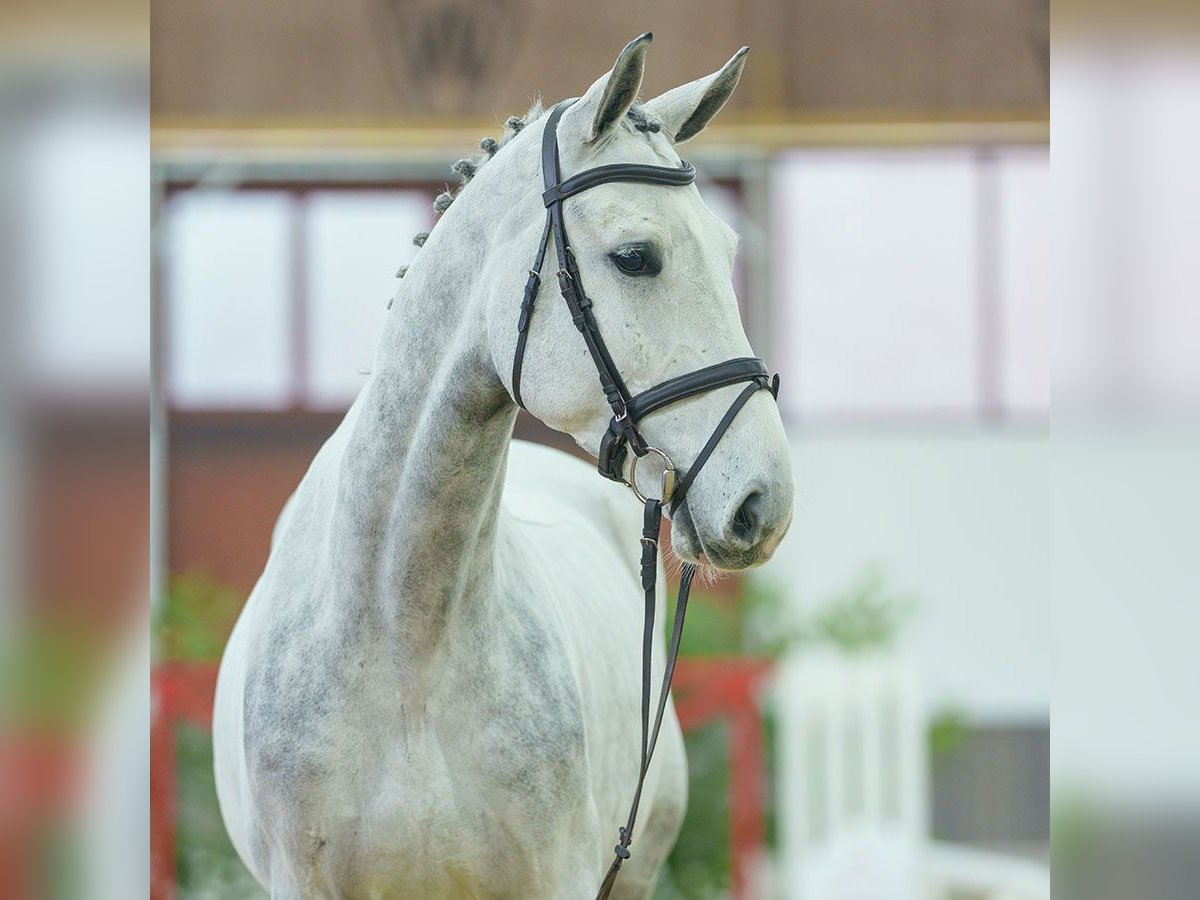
{"points": [[623, 434]]}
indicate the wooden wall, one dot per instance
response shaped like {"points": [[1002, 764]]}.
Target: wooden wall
{"points": [[422, 60], [86, 509]]}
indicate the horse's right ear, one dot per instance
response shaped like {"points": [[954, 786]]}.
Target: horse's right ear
{"points": [[685, 110], [607, 101]]}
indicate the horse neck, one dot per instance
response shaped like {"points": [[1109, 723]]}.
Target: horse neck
{"points": [[423, 467]]}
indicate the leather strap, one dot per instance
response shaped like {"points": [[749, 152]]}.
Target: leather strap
{"points": [[700, 381], [611, 459], [531, 291], [651, 522], [671, 176], [570, 284], [681, 487], [569, 281]]}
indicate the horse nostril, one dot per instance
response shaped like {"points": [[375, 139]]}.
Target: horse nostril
{"points": [[747, 518]]}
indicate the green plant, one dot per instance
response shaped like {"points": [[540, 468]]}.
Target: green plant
{"points": [[949, 730], [699, 867], [207, 866], [864, 616], [195, 618], [50, 672], [713, 626]]}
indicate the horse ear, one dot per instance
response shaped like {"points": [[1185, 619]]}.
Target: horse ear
{"points": [[685, 110], [607, 101]]}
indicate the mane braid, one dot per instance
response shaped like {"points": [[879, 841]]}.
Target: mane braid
{"points": [[466, 168]]}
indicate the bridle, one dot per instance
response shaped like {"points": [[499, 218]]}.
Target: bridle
{"points": [[623, 434]]}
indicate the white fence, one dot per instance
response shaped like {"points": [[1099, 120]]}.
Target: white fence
{"points": [[853, 799]]}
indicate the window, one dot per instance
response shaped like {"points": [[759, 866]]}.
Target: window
{"points": [[229, 283], [912, 284], [1023, 272], [355, 241], [80, 178], [276, 298]]}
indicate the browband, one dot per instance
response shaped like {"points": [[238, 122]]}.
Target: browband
{"points": [[671, 176]]}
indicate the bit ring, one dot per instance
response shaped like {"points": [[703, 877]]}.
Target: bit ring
{"points": [[668, 476]]}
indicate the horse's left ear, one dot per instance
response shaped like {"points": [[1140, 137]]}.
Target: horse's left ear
{"points": [[685, 110]]}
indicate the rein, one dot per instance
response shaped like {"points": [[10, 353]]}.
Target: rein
{"points": [[623, 434]]}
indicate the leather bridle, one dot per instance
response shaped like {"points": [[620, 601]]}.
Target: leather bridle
{"points": [[623, 434]]}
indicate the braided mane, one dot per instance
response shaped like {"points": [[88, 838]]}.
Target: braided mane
{"points": [[466, 168]]}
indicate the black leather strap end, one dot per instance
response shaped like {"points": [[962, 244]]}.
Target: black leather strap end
{"points": [[611, 460], [577, 301], [531, 291], [516, 373], [636, 442], [651, 521], [566, 284]]}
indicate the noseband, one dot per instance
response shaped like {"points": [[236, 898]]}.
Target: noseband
{"points": [[628, 410]]}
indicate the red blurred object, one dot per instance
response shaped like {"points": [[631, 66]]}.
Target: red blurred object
{"points": [[179, 692], [708, 689], [39, 781], [705, 690]]}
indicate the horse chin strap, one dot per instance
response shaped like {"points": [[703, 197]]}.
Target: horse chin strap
{"points": [[623, 434]]}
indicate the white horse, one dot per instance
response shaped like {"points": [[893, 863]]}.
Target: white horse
{"points": [[433, 690]]}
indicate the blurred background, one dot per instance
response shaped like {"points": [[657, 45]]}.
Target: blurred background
{"points": [[868, 716]]}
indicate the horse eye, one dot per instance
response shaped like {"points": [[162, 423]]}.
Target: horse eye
{"points": [[629, 260], [634, 261]]}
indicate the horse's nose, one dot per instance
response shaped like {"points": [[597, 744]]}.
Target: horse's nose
{"points": [[746, 529], [751, 532]]}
